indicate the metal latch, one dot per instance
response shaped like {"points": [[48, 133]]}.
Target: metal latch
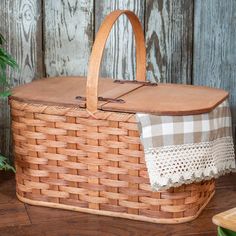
{"points": [[112, 100], [144, 83]]}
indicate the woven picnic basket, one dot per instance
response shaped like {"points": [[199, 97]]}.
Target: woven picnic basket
{"points": [[79, 151]]}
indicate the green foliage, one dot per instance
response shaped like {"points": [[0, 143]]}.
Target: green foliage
{"points": [[6, 60], [225, 232], [4, 164]]}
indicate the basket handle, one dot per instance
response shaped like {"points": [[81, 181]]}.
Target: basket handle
{"points": [[97, 52]]}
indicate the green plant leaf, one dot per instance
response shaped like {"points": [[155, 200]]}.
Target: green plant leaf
{"points": [[5, 60], [5, 94], [225, 232], [2, 40], [4, 165]]}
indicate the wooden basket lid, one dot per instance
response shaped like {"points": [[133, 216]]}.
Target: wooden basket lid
{"points": [[163, 99]]}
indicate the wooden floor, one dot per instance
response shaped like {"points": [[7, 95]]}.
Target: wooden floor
{"points": [[21, 219]]}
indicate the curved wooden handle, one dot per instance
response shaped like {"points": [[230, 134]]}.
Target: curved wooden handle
{"points": [[97, 51]]}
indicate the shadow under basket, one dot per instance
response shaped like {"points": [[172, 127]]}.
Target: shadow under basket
{"points": [[66, 159]]}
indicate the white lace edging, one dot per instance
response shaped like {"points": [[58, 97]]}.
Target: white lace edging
{"points": [[173, 166]]}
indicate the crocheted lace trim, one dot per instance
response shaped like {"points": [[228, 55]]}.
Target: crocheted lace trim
{"points": [[172, 166]]}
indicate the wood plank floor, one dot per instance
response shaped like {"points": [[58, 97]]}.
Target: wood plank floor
{"points": [[20, 219]]}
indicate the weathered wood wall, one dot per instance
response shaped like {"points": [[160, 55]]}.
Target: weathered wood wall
{"points": [[214, 53], [68, 36], [21, 25], [119, 56], [188, 41], [169, 39]]}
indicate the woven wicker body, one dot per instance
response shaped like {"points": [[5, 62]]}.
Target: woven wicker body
{"points": [[66, 159]]}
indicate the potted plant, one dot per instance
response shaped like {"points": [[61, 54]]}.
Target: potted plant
{"points": [[6, 60]]}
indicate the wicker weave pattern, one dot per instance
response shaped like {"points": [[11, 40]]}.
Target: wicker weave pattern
{"points": [[66, 157]]}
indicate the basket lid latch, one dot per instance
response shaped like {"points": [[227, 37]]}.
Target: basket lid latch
{"points": [[144, 83], [102, 99]]}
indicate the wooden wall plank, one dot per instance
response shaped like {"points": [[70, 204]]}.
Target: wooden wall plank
{"points": [[119, 54], [20, 24], [169, 29], [68, 36], [214, 46]]}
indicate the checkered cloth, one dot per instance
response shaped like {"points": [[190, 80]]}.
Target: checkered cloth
{"points": [[184, 149]]}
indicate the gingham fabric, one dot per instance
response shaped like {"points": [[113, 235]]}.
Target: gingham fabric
{"points": [[185, 149]]}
